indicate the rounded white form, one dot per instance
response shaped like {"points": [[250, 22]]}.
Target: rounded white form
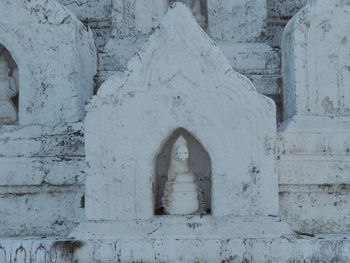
{"points": [[181, 194]]}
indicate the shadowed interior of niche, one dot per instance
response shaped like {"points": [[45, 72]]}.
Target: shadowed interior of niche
{"points": [[199, 163], [12, 66]]}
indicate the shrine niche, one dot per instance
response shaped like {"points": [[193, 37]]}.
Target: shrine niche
{"points": [[194, 120], [48, 62], [54, 80], [199, 166], [9, 87]]}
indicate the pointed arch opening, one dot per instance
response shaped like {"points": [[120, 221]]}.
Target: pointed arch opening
{"points": [[9, 88], [199, 164]]}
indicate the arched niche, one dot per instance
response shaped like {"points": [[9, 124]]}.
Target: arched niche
{"points": [[199, 10], [56, 75], [135, 112], [9, 88], [199, 163]]}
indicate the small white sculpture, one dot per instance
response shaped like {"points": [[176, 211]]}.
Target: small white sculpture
{"points": [[181, 194], [196, 7], [8, 89]]}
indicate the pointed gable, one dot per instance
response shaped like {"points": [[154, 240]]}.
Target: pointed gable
{"points": [[179, 79]]}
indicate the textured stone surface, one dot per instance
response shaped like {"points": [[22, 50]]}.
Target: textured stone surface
{"points": [[129, 19], [56, 66], [278, 14], [315, 73], [34, 154], [92, 10], [314, 155], [99, 15], [301, 249], [240, 21], [231, 22], [313, 140], [182, 83], [127, 37], [94, 13], [318, 208], [195, 89], [43, 171], [42, 156], [40, 210]]}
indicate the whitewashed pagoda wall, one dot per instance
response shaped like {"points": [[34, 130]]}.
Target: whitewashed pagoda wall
{"points": [[52, 250], [257, 60], [314, 137], [42, 155], [165, 96], [261, 64]]}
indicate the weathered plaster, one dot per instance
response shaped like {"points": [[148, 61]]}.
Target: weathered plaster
{"points": [[313, 140]]}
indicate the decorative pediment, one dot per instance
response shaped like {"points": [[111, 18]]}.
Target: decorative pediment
{"points": [[179, 79]]}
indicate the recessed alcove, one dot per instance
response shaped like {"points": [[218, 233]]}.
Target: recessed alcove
{"points": [[194, 5], [9, 88], [132, 135], [199, 164]]}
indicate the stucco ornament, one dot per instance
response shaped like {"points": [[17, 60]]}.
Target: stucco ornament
{"points": [[181, 193], [202, 94], [8, 89]]}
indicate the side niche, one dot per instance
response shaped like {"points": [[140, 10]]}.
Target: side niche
{"points": [[182, 155], [198, 8], [9, 88]]}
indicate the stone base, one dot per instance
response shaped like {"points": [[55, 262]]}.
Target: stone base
{"points": [[313, 169], [42, 177], [179, 227], [315, 135], [277, 250], [314, 150]]}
